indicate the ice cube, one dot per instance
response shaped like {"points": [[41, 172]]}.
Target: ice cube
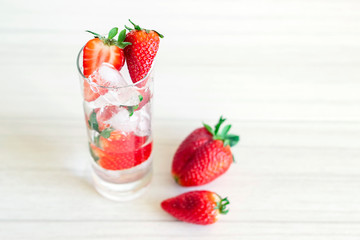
{"points": [[112, 87], [100, 102], [143, 119], [106, 75], [139, 122], [127, 96], [122, 121]]}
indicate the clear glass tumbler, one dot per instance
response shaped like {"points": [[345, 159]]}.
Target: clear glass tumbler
{"points": [[118, 121]]}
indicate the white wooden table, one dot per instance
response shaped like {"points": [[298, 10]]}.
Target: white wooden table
{"points": [[284, 72]]}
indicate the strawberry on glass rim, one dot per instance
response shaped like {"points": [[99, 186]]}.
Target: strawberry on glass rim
{"points": [[142, 51], [101, 50]]}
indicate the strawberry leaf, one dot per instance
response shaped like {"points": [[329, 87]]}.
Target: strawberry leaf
{"points": [[95, 34], [106, 132], [225, 130], [232, 139], [160, 35], [93, 122], [122, 36], [113, 33], [217, 126], [228, 139], [208, 128], [123, 44], [141, 97]]}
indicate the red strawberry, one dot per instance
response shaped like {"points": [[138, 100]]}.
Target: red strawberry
{"points": [[120, 142], [100, 50], [204, 155], [199, 207], [122, 160], [142, 51], [188, 147]]}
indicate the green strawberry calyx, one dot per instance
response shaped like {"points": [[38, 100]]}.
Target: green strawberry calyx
{"points": [[228, 139], [110, 41], [93, 124], [222, 205], [138, 28]]}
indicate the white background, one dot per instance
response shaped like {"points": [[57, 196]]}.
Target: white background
{"points": [[284, 72]]}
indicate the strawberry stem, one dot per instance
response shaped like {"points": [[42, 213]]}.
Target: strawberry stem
{"points": [[228, 139], [222, 205], [130, 29], [137, 27]]}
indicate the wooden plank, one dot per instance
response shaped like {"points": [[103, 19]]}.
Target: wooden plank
{"points": [[175, 230]]}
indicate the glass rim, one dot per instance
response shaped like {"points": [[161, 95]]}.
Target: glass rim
{"points": [[100, 86]]}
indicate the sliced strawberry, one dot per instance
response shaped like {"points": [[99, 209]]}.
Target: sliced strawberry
{"points": [[89, 95], [96, 52], [124, 160], [100, 50], [120, 142]]}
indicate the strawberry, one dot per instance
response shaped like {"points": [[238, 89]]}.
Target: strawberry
{"points": [[142, 51], [100, 50], [117, 150], [121, 160], [199, 207], [204, 155], [120, 142]]}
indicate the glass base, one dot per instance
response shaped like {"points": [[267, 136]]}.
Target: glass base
{"points": [[121, 191]]}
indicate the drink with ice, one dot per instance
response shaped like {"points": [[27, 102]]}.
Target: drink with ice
{"points": [[117, 106], [118, 119]]}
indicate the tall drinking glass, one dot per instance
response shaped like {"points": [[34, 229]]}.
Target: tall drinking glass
{"points": [[118, 120]]}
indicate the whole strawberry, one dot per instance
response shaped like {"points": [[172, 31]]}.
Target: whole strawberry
{"points": [[204, 155], [199, 207], [142, 51]]}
